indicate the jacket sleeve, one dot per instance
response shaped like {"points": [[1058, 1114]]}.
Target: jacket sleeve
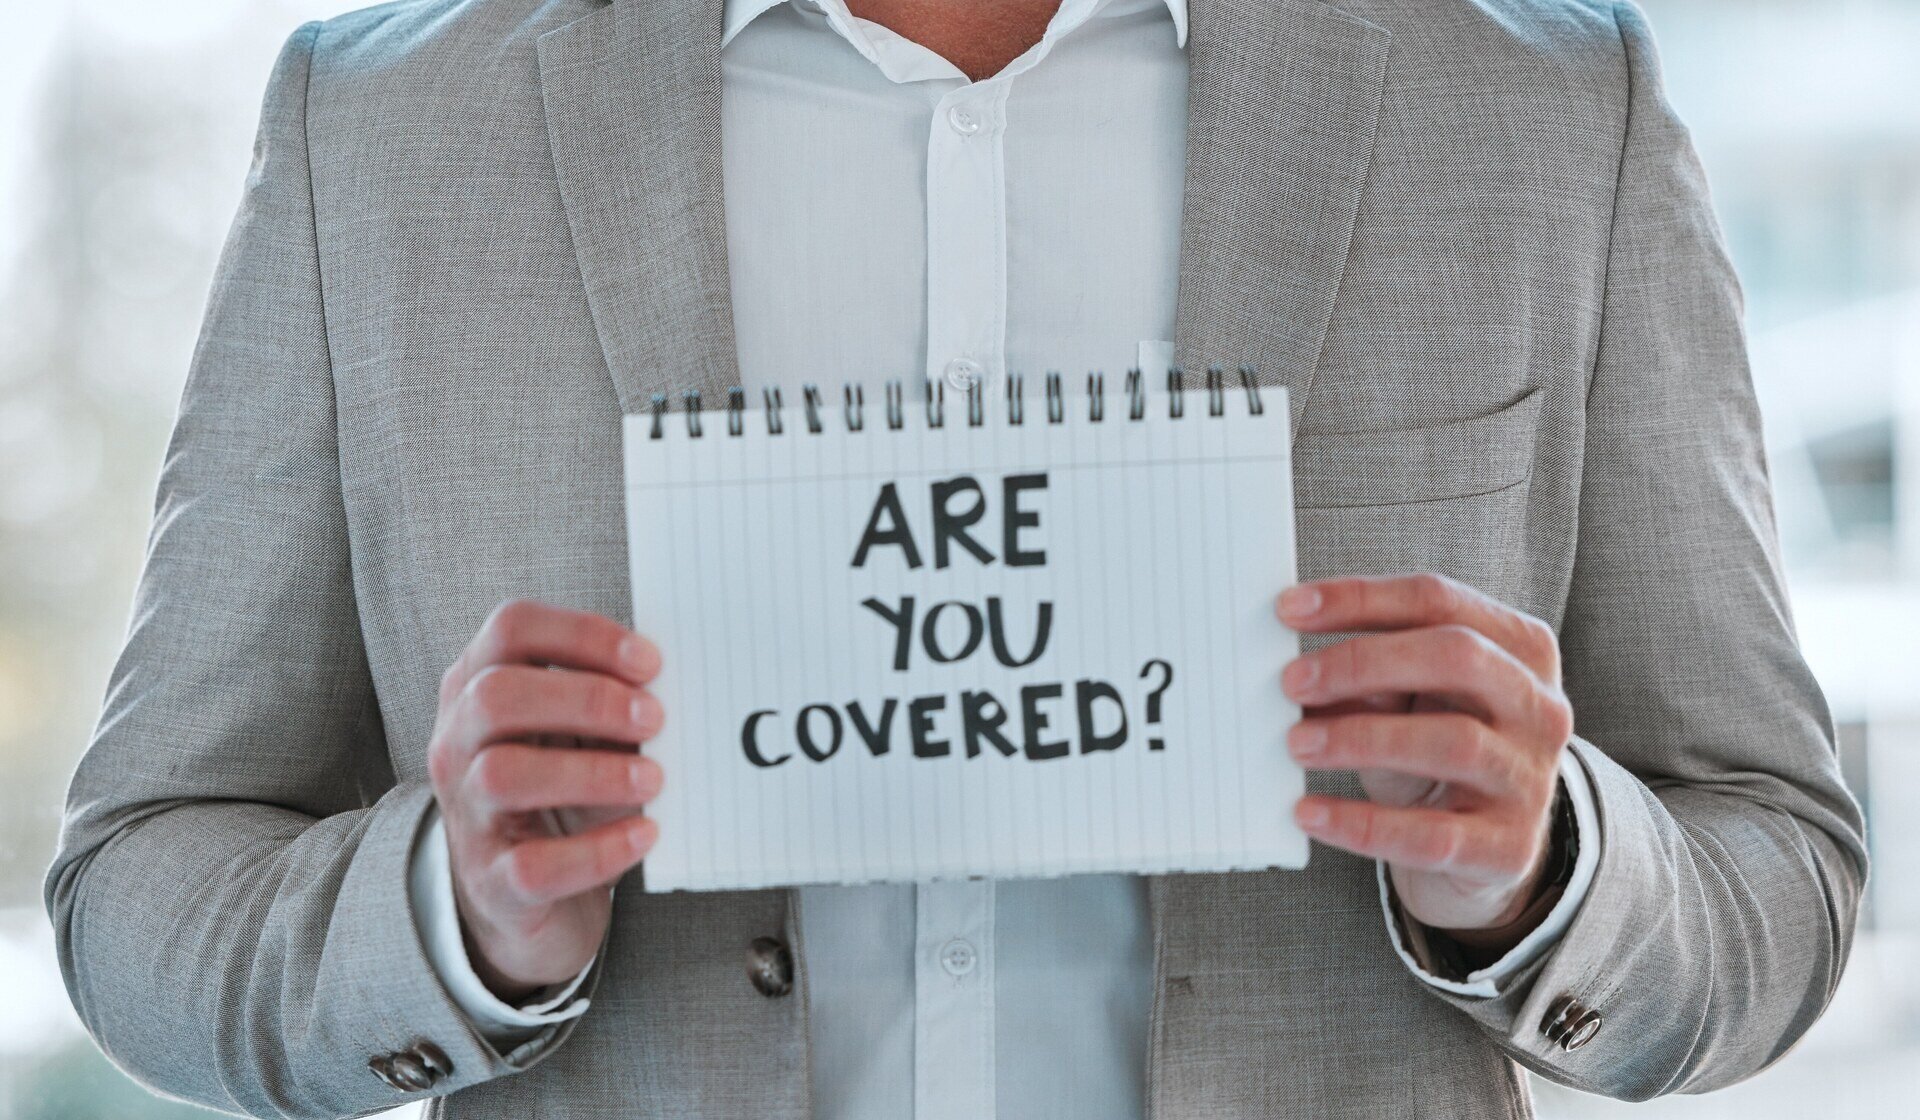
{"points": [[229, 895], [1732, 858]]}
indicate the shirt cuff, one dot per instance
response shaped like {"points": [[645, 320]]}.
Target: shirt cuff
{"points": [[1486, 982], [430, 893]]}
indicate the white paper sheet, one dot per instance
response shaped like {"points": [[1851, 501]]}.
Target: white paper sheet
{"points": [[798, 750]]}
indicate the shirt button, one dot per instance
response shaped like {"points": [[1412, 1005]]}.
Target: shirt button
{"points": [[964, 373], [957, 957], [964, 120]]}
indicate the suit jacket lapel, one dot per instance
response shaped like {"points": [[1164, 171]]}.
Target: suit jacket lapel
{"points": [[632, 101], [1281, 100], [1282, 97]]}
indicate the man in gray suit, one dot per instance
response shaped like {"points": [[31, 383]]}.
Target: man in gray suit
{"points": [[348, 831]]}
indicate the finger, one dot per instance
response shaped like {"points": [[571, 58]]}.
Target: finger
{"points": [[1469, 845], [1401, 602], [1451, 661], [1442, 746], [515, 702], [518, 778], [545, 870], [525, 632]]}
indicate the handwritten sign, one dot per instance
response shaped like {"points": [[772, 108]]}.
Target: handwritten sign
{"points": [[982, 648]]}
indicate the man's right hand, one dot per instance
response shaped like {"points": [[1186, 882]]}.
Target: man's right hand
{"points": [[535, 765]]}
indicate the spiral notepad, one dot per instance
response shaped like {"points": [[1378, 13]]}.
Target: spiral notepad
{"points": [[934, 635]]}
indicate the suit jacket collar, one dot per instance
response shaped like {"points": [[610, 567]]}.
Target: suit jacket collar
{"points": [[1282, 96]]}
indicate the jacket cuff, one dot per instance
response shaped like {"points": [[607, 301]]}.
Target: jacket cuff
{"points": [[1586, 969], [381, 964], [430, 891], [375, 960], [1410, 937]]}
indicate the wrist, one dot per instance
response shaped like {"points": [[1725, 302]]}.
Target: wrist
{"points": [[508, 990], [1483, 946]]}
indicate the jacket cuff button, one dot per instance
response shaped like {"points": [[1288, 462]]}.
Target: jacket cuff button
{"points": [[1570, 1024], [439, 1066], [382, 1067], [415, 1069]]}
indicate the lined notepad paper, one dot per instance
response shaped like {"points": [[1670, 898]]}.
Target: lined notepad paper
{"points": [[1036, 639]]}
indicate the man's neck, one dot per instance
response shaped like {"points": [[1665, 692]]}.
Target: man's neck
{"points": [[978, 36]]}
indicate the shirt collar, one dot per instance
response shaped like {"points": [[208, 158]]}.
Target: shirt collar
{"points": [[740, 13]]}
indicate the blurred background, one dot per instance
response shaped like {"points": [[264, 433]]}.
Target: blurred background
{"points": [[125, 133]]}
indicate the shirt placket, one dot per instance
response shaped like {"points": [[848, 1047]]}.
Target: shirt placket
{"points": [[953, 963], [967, 236], [966, 345]]}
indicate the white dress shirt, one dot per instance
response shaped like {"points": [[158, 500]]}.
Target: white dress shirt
{"points": [[887, 218]]}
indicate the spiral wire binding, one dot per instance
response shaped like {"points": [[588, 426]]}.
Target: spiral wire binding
{"points": [[1252, 386], [810, 397], [774, 424], [936, 404], [659, 404]]}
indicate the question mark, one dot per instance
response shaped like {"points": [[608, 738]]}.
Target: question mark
{"points": [[1153, 699]]}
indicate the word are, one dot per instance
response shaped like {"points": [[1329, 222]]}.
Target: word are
{"points": [[888, 527]]}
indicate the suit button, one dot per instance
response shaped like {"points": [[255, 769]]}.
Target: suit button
{"points": [[407, 1073], [770, 967], [439, 1067], [382, 1067], [412, 1070], [1570, 1024]]}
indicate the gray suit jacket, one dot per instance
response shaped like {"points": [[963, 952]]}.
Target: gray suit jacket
{"points": [[1471, 239]]}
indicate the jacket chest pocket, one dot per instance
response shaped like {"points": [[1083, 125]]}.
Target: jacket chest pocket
{"points": [[1448, 498]]}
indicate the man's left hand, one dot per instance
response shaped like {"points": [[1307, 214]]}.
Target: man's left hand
{"points": [[1449, 706]]}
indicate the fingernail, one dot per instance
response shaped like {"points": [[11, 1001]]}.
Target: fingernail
{"points": [[1310, 814], [1300, 676], [637, 774], [1299, 602], [640, 833], [638, 655], [1308, 740], [645, 710]]}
